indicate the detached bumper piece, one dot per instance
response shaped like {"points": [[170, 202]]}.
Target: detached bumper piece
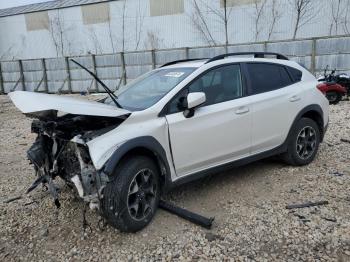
{"points": [[39, 155], [59, 158], [53, 188], [188, 215]]}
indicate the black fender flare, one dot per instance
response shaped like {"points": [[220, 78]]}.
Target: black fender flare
{"points": [[146, 142], [310, 108]]}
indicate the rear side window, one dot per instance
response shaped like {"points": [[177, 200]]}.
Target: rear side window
{"points": [[295, 74], [265, 77]]}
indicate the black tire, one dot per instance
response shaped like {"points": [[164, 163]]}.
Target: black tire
{"points": [[333, 97], [119, 203], [296, 154]]}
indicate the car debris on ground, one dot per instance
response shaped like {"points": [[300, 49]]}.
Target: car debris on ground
{"points": [[308, 204], [345, 140]]}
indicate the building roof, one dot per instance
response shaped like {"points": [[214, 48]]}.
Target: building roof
{"points": [[50, 5]]}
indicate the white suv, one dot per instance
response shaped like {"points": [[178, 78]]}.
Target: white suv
{"points": [[174, 124]]}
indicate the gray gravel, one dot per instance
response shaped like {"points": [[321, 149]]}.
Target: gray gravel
{"points": [[251, 221]]}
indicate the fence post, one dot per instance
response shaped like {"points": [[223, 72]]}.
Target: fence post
{"points": [[21, 75], [69, 82], [123, 68], [313, 56], [43, 66], [187, 53], [153, 57], [95, 71], [2, 90]]}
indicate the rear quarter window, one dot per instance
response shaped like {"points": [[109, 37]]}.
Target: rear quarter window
{"points": [[264, 77], [295, 74]]}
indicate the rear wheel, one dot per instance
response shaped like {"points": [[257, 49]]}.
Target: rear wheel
{"points": [[303, 143], [333, 97], [130, 201]]}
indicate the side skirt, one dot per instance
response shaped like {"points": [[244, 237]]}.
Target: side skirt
{"points": [[214, 170]]}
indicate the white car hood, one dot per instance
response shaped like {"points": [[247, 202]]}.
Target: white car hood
{"points": [[30, 103]]}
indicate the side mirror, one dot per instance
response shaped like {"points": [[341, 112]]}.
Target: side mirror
{"points": [[194, 100]]}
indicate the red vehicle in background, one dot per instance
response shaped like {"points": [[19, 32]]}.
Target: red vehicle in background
{"points": [[334, 86]]}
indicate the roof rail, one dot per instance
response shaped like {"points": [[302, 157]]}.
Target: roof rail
{"points": [[183, 60], [256, 55]]}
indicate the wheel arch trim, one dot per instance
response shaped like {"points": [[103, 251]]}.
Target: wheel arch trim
{"points": [[309, 109], [148, 143]]}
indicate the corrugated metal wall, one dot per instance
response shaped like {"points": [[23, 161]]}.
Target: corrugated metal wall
{"points": [[111, 27], [61, 75]]}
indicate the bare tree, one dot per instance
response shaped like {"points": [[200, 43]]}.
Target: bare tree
{"points": [[152, 41], [200, 24], [259, 6], [21, 46], [56, 32], [225, 21], [222, 15], [304, 11], [346, 21], [139, 18], [7, 53], [123, 25], [96, 43], [110, 31], [336, 13], [275, 17], [110, 34]]}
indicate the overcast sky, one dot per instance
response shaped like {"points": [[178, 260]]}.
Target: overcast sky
{"points": [[12, 3]]}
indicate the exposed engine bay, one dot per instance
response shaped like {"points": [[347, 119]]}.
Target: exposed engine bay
{"points": [[60, 151]]}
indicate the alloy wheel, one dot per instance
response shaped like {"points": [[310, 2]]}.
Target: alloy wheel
{"points": [[306, 142], [142, 194]]}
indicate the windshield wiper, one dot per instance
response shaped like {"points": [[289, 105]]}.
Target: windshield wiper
{"points": [[108, 91]]}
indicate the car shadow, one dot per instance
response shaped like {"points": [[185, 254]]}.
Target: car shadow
{"points": [[224, 183]]}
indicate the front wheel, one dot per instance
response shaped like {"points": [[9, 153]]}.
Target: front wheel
{"points": [[303, 143], [130, 200], [333, 97]]}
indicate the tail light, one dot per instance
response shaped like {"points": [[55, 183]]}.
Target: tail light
{"points": [[322, 87]]}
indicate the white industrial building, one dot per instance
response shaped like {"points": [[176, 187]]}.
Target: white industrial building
{"points": [[79, 27]]}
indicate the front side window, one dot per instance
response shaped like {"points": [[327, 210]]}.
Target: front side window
{"points": [[267, 77], [148, 89], [219, 85]]}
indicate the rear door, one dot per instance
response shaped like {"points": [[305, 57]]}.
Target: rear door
{"points": [[276, 100]]}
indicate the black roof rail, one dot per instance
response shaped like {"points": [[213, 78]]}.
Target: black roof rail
{"points": [[256, 55], [183, 60]]}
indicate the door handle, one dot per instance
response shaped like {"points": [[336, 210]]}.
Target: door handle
{"points": [[242, 110], [294, 98]]}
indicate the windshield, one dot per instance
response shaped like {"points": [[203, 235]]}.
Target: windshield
{"points": [[148, 89]]}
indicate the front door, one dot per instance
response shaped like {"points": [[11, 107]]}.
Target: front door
{"points": [[219, 131]]}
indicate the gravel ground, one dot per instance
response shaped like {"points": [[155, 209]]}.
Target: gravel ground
{"points": [[251, 221]]}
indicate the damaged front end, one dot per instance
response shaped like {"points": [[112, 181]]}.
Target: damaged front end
{"points": [[60, 150]]}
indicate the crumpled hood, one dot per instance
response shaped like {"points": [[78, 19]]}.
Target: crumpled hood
{"points": [[30, 103]]}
